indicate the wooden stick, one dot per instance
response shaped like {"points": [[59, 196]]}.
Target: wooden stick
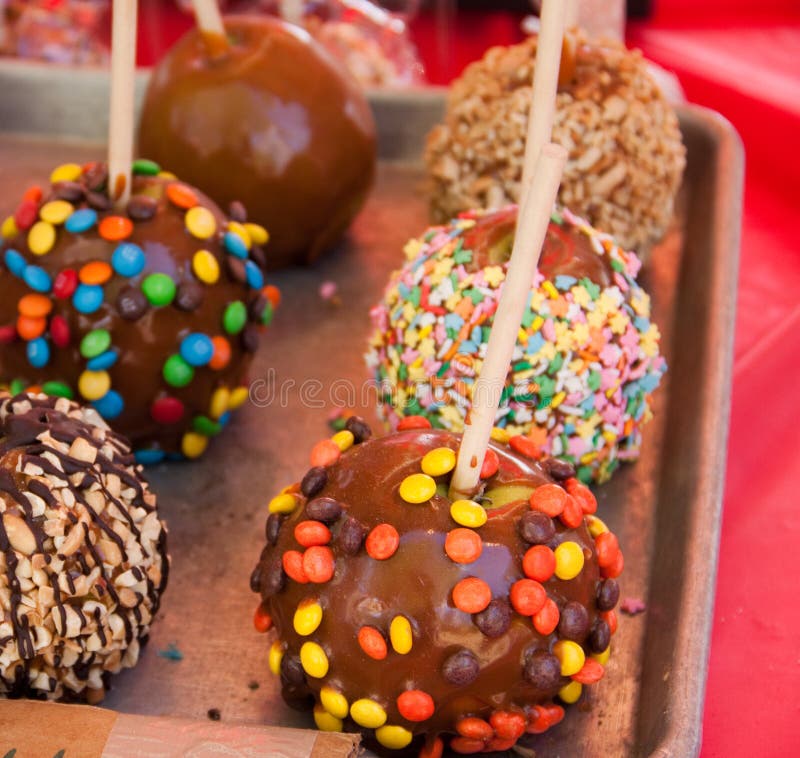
{"points": [[120, 122], [532, 224], [545, 86], [572, 13], [208, 17], [292, 11]]}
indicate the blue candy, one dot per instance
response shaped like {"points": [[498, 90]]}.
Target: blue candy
{"points": [[234, 244], [38, 352], [197, 349], [255, 277], [103, 361], [87, 298], [37, 279], [110, 405], [149, 457], [128, 259], [81, 221], [15, 262]]}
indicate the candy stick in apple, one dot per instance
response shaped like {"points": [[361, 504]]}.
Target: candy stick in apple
{"points": [[120, 123], [209, 21], [534, 218]]}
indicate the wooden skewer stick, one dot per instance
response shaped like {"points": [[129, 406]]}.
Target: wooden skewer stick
{"points": [[212, 28], [545, 86], [573, 12], [120, 122], [532, 224]]}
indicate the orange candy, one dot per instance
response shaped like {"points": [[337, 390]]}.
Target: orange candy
{"points": [[591, 672], [607, 548], [472, 595], [539, 563], [525, 446], [413, 422], [490, 464], [550, 499], [273, 294], [463, 545], [310, 533], [325, 453], [615, 569], [115, 228], [319, 564], [527, 597], [546, 620], [572, 515], [181, 195], [34, 305], [33, 194], [582, 494], [543, 717], [372, 642], [96, 272], [508, 725], [30, 328], [222, 353], [432, 749], [474, 728], [611, 619], [499, 745], [262, 620], [466, 746], [415, 705], [382, 542], [293, 566]]}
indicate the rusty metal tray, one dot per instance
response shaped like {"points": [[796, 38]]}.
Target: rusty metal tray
{"points": [[666, 508]]}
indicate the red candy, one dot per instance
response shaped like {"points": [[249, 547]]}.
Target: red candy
{"points": [[498, 745], [167, 410], [262, 620], [65, 284], [525, 446], [615, 569], [546, 620], [591, 672], [325, 453], [293, 566], [490, 464], [550, 499], [472, 595], [318, 564], [372, 642], [508, 725], [466, 746], [611, 619], [527, 597], [382, 542], [582, 494], [607, 548], [311, 533], [59, 331], [543, 717], [572, 515], [26, 214], [7, 334], [415, 705], [432, 749], [539, 563], [463, 545], [474, 728], [413, 422]]}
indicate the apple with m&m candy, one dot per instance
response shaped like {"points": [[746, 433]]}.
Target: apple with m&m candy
{"points": [[150, 312]]}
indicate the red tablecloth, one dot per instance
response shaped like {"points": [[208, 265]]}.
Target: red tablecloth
{"points": [[748, 71]]}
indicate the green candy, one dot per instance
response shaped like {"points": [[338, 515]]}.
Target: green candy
{"points": [[16, 386], [177, 372], [95, 342], [205, 426], [235, 317], [58, 389], [159, 289], [144, 167], [266, 316]]}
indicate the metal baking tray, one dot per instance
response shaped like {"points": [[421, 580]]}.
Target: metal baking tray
{"points": [[665, 508]]}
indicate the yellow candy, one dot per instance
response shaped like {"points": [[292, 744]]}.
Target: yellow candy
{"points": [[9, 228], [401, 635], [200, 222], [602, 658], [275, 657], [307, 618], [67, 172], [257, 233], [596, 526], [56, 211], [241, 232], [571, 656], [569, 560], [41, 238], [326, 722], [558, 399], [94, 384], [313, 660], [219, 402], [367, 713], [239, 396], [417, 488], [550, 289], [166, 175], [438, 461], [344, 440], [468, 513], [571, 692], [500, 435], [193, 445], [334, 702], [393, 737], [205, 265], [283, 503]]}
